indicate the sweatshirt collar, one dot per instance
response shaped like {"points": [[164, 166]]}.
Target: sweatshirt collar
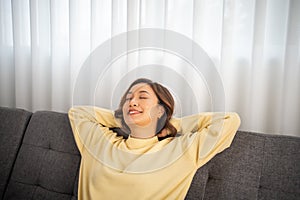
{"points": [[137, 143]]}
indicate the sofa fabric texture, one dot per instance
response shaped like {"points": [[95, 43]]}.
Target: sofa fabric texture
{"points": [[39, 160], [13, 123], [48, 160]]}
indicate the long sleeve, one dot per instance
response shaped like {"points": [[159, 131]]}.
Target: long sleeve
{"points": [[90, 124], [212, 132]]}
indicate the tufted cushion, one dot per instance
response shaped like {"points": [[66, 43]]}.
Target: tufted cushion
{"points": [[281, 170], [256, 166], [12, 127], [48, 161], [197, 187], [234, 173]]}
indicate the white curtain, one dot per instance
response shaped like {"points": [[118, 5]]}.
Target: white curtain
{"points": [[253, 44]]}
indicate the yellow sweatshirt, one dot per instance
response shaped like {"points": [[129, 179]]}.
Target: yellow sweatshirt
{"points": [[116, 168]]}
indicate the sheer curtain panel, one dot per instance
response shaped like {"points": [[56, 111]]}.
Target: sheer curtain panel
{"points": [[254, 45]]}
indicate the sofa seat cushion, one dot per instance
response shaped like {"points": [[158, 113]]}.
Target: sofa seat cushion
{"points": [[48, 161], [12, 128]]}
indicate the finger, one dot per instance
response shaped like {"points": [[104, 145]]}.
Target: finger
{"points": [[163, 133]]}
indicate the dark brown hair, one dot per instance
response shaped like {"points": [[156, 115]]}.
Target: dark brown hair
{"points": [[165, 99]]}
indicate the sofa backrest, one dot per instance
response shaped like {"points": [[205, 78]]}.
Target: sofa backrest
{"points": [[48, 161], [12, 128], [256, 166]]}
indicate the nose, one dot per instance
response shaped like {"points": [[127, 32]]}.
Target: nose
{"points": [[133, 102]]}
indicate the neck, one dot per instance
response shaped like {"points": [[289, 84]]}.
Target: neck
{"points": [[142, 132]]}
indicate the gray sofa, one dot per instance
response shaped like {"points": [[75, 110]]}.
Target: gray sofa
{"points": [[39, 160]]}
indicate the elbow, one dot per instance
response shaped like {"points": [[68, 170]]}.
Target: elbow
{"points": [[76, 111], [72, 111], [71, 114], [235, 120]]}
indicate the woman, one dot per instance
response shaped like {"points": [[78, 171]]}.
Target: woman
{"points": [[161, 155]]}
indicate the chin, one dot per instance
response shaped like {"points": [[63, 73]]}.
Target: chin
{"points": [[137, 123]]}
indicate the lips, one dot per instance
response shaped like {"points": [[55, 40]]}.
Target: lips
{"points": [[133, 112]]}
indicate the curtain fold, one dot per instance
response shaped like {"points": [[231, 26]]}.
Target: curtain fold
{"points": [[254, 45], [60, 55]]}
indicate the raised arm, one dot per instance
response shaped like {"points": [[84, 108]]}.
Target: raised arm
{"points": [[212, 132], [90, 124]]}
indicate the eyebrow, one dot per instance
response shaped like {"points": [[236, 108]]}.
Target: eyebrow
{"points": [[142, 91]]}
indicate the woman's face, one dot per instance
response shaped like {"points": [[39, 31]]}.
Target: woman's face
{"points": [[141, 107]]}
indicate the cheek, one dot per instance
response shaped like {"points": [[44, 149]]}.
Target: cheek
{"points": [[125, 106], [154, 112], [124, 110], [150, 111]]}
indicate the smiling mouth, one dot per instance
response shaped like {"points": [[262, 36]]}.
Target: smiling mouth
{"points": [[134, 112]]}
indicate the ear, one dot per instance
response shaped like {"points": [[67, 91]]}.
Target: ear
{"points": [[161, 111]]}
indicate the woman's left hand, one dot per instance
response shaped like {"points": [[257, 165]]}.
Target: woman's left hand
{"points": [[163, 133]]}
